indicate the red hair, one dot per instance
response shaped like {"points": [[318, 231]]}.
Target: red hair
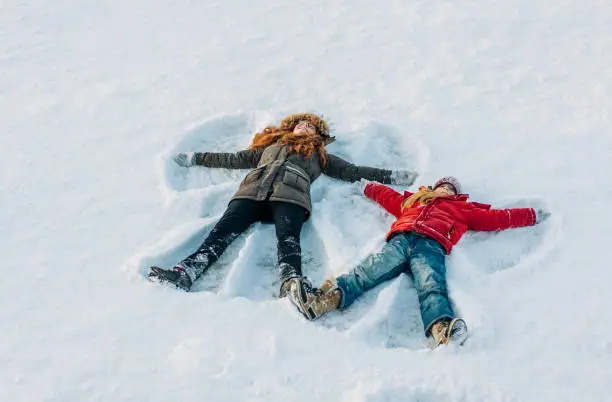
{"points": [[303, 144]]}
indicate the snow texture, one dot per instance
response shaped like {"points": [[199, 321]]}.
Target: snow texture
{"points": [[513, 98]]}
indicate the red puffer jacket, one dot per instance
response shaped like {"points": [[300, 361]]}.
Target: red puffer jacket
{"points": [[446, 218]]}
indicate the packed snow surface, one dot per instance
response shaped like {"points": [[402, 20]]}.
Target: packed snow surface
{"points": [[513, 98]]}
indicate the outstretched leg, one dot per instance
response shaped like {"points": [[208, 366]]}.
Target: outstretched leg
{"points": [[239, 215], [288, 220], [374, 269], [428, 267]]}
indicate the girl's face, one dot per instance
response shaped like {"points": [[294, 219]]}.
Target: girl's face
{"points": [[305, 127], [445, 189]]}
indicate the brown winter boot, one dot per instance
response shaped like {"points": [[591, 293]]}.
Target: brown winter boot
{"points": [[329, 284], [447, 330], [328, 299]]}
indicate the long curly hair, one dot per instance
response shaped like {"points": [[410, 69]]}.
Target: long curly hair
{"points": [[303, 144], [424, 196]]}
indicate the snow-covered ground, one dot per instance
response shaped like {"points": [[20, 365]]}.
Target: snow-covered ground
{"points": [[513, 98]]}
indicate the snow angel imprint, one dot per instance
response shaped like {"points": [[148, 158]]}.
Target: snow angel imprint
{"points": [[285, 160], [429, 223]]}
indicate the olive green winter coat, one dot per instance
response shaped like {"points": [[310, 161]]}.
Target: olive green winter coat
{"points": [[279, 175]]}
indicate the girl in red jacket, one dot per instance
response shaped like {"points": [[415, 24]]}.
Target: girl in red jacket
{"points": [[429, 223]]}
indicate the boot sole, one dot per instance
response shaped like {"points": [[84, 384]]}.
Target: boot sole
{"points": [[458, 331], [298, 299], [157, 275]]}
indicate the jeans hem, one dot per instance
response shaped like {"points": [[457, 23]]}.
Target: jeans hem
{"points": [[433, 321], [340, 282]]}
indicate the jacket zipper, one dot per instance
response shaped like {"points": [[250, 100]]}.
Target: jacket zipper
{"points": [[424, 213], [298, 172]]}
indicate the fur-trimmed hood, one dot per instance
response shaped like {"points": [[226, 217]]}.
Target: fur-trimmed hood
{"points": [[289, 122]]}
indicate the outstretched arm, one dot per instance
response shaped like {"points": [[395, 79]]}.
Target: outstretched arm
{"points": [[499, 219], [388, 198], [340, 169], [246, 159]]}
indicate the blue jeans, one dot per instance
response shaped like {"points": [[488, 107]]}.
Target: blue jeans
{"points": [[409, 252]]}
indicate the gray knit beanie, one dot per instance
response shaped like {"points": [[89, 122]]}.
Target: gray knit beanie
{"points": [[448, 180]]}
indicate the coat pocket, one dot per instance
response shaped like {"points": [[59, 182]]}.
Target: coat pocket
{"points": [[296, 179]]}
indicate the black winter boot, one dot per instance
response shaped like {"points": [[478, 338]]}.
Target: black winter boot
{"points": [[175, 276], [301, 294]]}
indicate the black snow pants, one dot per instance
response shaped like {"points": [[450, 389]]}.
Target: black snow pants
{"points": [[242, 213]]}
